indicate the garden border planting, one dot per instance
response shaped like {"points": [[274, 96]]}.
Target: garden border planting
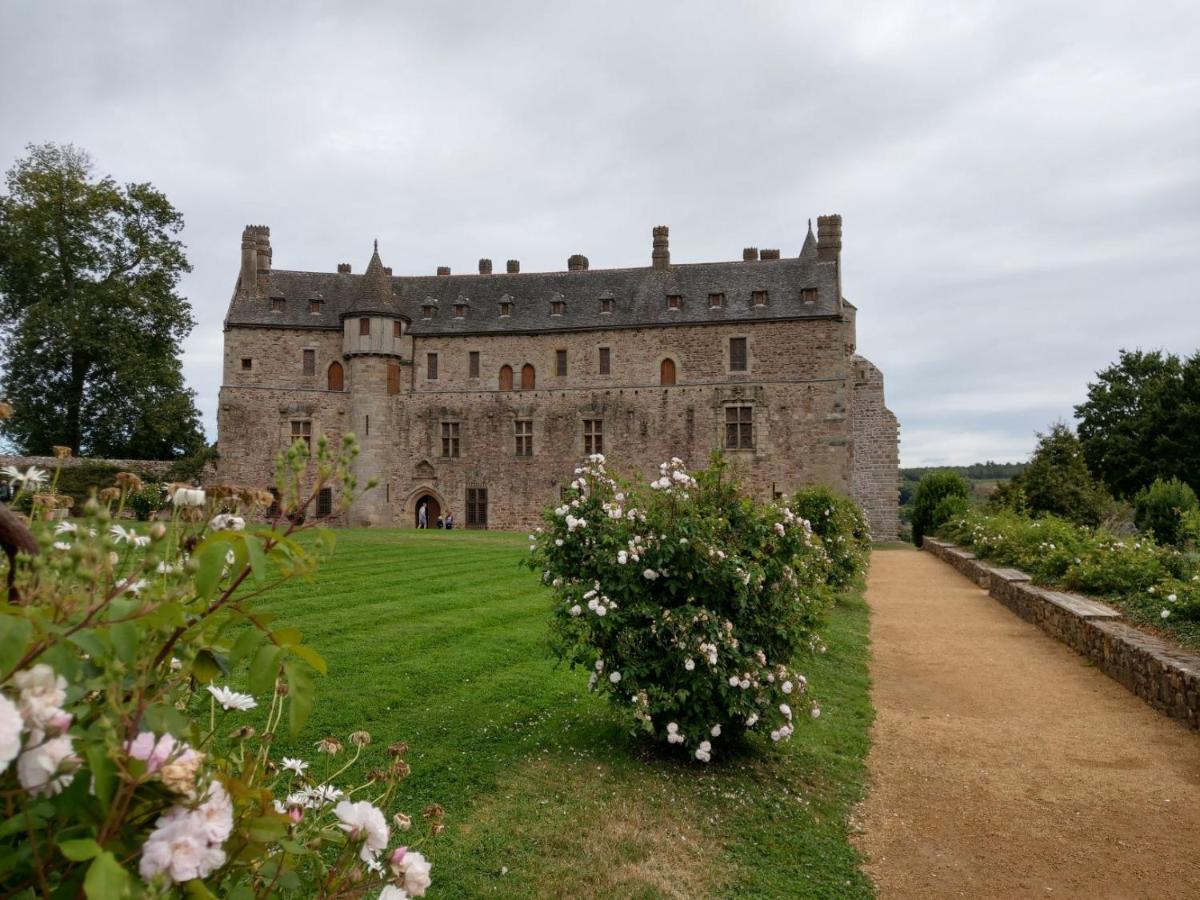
{"points": [[1165, 676]]}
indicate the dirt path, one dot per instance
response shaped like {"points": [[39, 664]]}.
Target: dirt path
{"points": [[1004, 766]]}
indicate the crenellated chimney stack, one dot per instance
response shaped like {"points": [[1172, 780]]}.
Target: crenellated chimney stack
{"points": [[577, 262], [485, 267], [443, 270], [829, 238], [344, 268], [256, 257], [769, 254], [660, 258], [750, 254], [513, 267]]}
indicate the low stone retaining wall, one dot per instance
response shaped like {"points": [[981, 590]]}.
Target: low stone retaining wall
{"points": [[1162, 674]]}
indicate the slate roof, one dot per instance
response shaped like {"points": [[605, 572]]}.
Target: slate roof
{"points": [[639, 297]]}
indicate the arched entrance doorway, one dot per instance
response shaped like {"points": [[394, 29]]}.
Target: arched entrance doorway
{"points": [[432, 508]]}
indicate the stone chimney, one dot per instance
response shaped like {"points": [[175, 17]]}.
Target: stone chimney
{"points": [[769, 254], [443, 270], [661, 257], [485, 267], [577, 263], [513, 267], [256, 257], [750, 254], [387, 270], [829, 238], [344, 268]]}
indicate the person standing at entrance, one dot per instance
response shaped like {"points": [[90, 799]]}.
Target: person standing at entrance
{"points": [[449, 519], [421, 516]]}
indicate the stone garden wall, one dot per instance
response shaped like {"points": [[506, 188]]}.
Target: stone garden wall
{"points": [[1162, 674]]}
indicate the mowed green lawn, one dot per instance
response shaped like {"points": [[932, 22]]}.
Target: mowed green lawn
{"points": [[440, 639]]}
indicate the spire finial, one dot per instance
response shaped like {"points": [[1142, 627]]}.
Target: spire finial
{"points": [[377, 239]]}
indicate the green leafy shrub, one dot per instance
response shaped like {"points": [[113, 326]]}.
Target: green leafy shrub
{"points": [[931, 490], [687, 600], [146, 501], [122, 757], [1161, 507], [840, 524]]}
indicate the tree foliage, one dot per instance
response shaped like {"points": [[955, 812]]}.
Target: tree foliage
{"points": [[1057, 481], [1163, 509], [1140, 420], [89, 315], [927, 501]]}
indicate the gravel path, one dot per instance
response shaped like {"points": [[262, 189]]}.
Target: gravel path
{"points": [[1002, 765]]}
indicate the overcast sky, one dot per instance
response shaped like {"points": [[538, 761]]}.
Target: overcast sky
{"points": [[1020, 182]]}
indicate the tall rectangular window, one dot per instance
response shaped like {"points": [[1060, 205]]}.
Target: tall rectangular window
{"points": [[593, 436], [450, 440], [393, 378], [557, 307], [606, 304], [505, 308], [324, 502], [473, 364], [310, 362], [560, 363], [397, 328], [524, 434], [302, 431], [739, 428], [364, 326], [277, 304], [431, 366], [477, 508], [314, 307], [605, 361], [737, 354]]}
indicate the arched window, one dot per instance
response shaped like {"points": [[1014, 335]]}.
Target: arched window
{"points": [[506, 378], [337, 379], [666, 372], [527, 377]]}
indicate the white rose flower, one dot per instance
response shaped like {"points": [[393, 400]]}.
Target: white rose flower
{"points": [[45, 769], [11, 726], [615, 677], [575, 610], [391, 892], [689, 664], [415, 869], [649, 574], [364, 822], [42, 695], [786, 687]]}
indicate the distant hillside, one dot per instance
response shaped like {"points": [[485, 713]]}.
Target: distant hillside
{"points": [[983, 477]]}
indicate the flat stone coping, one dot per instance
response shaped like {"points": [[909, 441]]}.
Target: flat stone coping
{"points": [[1084, 607]]}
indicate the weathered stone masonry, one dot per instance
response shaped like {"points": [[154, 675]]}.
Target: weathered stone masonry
{"points": [[449, 380]]}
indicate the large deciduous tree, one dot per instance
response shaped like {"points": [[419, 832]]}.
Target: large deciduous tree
{"points": [[90, 319], [1141, 420]]}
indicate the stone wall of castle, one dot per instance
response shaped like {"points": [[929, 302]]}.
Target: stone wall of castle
{"points": [[874, 481]]}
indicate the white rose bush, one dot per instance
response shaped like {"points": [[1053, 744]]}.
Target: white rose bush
{"points": [[688, 602], [134, 667]]}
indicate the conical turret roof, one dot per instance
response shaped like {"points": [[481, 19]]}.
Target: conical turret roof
{"points": [[809, 250], [375, 288]]}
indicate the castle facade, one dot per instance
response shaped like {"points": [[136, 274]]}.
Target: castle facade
{"points": [[478, 394]]}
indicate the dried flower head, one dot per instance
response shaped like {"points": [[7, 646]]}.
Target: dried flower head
{"points": [[400, 769], [241, 734], [436, 828], [433, 811], [60, 452], [109, 494], [398, 749], [402, 822], [127, 481], [330, 745], [360, 738]]}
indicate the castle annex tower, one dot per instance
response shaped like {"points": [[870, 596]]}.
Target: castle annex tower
{"points": [[375, 344]]}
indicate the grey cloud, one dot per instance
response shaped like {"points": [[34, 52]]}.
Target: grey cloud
{"points": [[1019, 180]]}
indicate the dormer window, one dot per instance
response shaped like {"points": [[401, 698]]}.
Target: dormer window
{"points": [[427, 311], [674, 301], [277, 304], [808, 295], [460, 310], [716, 301], [557, 307], [505, 309], [364, 327], [606, 304], [759, 298], [314, 307]]}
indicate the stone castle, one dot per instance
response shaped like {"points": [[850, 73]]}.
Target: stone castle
{"points": [[478, 394]]}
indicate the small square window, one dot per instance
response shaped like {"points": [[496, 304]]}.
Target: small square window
{"points": [[557, 307], [505, 308], [431, 366], [310, 362], [759, 298], [314, 307], [473, 364], [808, 295], [460, 310], [247, 363], [277, 304], [674, 301], [605, 361], [364, 326], [716, 301], [606, 304], [560, 363], [426, 312]]}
